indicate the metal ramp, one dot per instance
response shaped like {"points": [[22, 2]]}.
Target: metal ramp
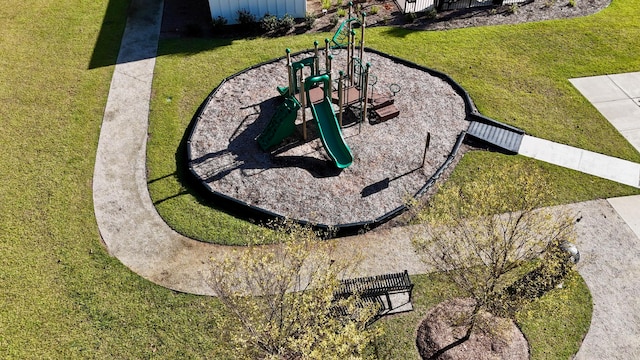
{"points": [[495, 134]]}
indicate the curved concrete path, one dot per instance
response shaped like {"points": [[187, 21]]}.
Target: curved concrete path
{"points": [[134, 233]]}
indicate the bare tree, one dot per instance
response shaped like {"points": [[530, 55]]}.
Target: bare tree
{"points": [[484, 231], [281, 301]]}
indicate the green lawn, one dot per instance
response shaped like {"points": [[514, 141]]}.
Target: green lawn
{"points": [[64, 297]]}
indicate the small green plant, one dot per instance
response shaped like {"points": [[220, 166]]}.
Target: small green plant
{"points": [[411, 17], [309, 20], [334, 20], [548, 3], [269, 22], [218, 23], [245, 17], [513, 8], [341, 13], [326, 4], [493, 11], [431, 14], [374, 10], [286, 23], [572, 3]]}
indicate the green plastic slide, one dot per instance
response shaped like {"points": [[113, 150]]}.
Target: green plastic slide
{"points": [[281, 125], [330, 132]]}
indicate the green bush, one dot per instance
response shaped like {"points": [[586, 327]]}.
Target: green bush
{"points": [[309, 20], [218, 23], [326, 4], [245, 17], [286, 23], [374, 10], [269, 23], [334, 20], [341, 13]]}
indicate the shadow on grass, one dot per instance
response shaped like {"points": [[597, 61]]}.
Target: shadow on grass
{"points": [[105, 51], [107, 46]]}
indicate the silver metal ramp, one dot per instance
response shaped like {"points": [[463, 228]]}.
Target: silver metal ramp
{"points": [[495, 134]]}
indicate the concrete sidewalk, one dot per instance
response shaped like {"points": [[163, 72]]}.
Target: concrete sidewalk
{"points": [[134, 233], [607, 167], [617, 97]]}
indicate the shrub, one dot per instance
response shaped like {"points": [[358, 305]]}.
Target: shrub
{"points": [[309, 20], [572, 3], [269, 23], [374, 10], [341, 13], [326, 4], [411, 16], [334, 20], [286, 23], [245, 17], [218, 23], [431, 14], [513, 8]]}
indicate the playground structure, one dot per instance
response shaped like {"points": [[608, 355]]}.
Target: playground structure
{"points": [[284, 176], [316, 91]]}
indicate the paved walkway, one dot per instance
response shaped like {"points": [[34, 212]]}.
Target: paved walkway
{"points": [[617, 97], [134, 232]]}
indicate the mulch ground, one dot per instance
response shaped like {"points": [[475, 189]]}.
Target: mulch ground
{"points": [[299, 180]]}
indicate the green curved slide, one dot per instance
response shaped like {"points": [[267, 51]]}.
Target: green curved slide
{"points": [[281, 125], [330, 132]]}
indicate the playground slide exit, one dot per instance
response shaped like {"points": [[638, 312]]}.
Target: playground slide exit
{"points": [[330, 132]]}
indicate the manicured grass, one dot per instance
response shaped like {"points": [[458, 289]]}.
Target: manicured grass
{"points": [[554, 325], [519, 74], [566, 185], [516, 74], [63, 296]]}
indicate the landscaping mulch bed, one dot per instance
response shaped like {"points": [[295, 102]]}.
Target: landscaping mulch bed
{"points": [[190, 17], [442, 330]]}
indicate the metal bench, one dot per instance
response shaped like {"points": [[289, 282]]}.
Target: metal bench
{"points": [[391, 291]]}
